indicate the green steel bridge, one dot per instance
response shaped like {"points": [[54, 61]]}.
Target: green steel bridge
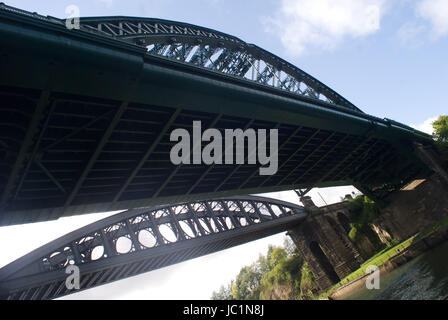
{"points": [[86, 116], [85, 122]]}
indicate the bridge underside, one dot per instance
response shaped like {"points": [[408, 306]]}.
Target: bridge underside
{"points": [[89, 155], [141, 240], [85, 124]]}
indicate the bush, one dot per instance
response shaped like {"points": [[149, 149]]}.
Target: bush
{"points": [[307, 283], [280, 274], [364, 211]]}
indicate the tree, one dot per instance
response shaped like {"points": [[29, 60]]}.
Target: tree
{"points": [[224, 292], [283, 280], [247, 283], [441, 128], [277, 275]]}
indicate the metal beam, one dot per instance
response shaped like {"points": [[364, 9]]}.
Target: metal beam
{"points": [[385, 152], [49, 175], [292, 155], [281, 146], [173, 173], [350, 154], [31, 277], [25, 146], [210, 167], [201, 229], [74, 132], [121, 109], [35, 148], [147, 154], [382, 159], [307, 157], [324, 157], [239, 166], [302, 192]]}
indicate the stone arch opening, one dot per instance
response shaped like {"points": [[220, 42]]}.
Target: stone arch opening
{"points": [[332, 223], [323, 261], [343, 237], [344, 221]]}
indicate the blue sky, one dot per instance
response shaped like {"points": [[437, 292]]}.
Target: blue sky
{"points": [[388, 57]]}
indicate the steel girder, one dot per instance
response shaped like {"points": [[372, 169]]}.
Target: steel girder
{"points": [[141, 240], [209, 49], [214, 50], [85, 122]]}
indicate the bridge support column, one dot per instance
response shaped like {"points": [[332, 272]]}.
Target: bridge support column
{"points": [[324, 273], [328, 252]]}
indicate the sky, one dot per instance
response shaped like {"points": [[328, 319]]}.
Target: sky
{"points": [[388, 57]]}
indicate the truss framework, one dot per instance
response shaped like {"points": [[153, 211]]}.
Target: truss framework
{"points": [[206, 48], [141, 240], [68, 151], [214, 50]]}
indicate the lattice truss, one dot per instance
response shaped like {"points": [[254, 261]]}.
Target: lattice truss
{"points": [[208, 49], [205, 48], [141, 240], [163, 226], [215, 51]]}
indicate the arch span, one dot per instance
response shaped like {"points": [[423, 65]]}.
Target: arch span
{"points": [[216, 51], [145, 239], [100, 141]]}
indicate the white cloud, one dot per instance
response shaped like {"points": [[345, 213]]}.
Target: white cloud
{"points": [[425, 126], [436, 12], [324, 24]]}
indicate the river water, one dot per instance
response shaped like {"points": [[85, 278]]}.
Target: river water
{"points": [[423, 278]]}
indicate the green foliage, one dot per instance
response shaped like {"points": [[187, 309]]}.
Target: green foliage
{"points": [[358, 231], [364, 211], [285, 273], [307, 283], [247, 284], [353, 234], [276, 275], [441, 128], [224, 292]]}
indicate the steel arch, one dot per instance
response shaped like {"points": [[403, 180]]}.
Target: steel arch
{"points": [[98, 141], [206, 48], [211, 49], [141, 240]]}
